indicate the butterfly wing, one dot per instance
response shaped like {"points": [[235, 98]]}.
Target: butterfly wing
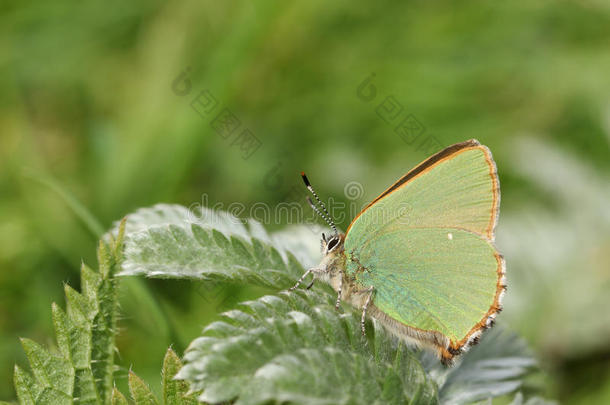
{"points": [[426, 244]]}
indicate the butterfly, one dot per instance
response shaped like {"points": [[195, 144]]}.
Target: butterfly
{"points": [[420, 258]]}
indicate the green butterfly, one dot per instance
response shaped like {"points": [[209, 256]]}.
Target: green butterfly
{"points": [[421, 258]]}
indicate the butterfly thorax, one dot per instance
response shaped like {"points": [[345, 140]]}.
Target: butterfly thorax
{"points": [[332, 270]]}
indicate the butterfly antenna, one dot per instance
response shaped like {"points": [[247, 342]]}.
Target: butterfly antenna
{"points": [[320, 213], [325, 215]]}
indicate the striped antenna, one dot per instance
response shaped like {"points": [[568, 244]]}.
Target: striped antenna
{"points": [[325, 215]]}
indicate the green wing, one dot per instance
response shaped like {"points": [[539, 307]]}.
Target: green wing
{"points": [[426, 244]]}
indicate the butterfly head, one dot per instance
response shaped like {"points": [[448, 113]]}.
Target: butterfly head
{"points": [[332, 244]]}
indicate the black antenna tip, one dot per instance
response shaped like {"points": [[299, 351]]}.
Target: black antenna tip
{"points": [[305, 179]]}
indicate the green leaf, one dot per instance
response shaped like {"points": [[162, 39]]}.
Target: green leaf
{"points": [[118, 398], [81, 373], [85, 390], [173, 214], [103, 330], [50, 370], [77, 306], [74, 341], [90, 281], [55, 397], [140, 392], [297, 347], [191, 251], [27, 388], [174, 391]]}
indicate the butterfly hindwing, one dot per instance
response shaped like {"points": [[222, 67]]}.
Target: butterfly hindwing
{"points": [[434, 283]]}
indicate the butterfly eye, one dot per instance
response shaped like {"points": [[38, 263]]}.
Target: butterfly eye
{"points": [[332, 244]]}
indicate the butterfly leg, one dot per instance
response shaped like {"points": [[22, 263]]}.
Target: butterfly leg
{"points": [[338, 302], [301, 280], [371, 291]]}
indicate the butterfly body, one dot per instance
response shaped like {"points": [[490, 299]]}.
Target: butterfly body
{"points": [[420, 258]]}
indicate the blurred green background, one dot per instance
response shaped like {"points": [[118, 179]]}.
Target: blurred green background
{"points": [[93, 120]]}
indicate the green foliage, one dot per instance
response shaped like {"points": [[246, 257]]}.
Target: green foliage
{"points": [[290, 347], [99, 115], [81, 372], [295, 347], [215, 246], [83, 367], [118, 398], [140, 392], [175, 392]]}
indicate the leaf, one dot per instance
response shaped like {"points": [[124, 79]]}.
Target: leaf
{"points": [[181, 251], [50, 370], [173, 214], [27, 388], [297, 347], [103, 330], [176, 242], [81, 372], [140, 392], [118, 398], [29, 392], [100, 303], [300, 240], [74, 340], [174, 391], [77, 306], [55, 397], [85, 390]]}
